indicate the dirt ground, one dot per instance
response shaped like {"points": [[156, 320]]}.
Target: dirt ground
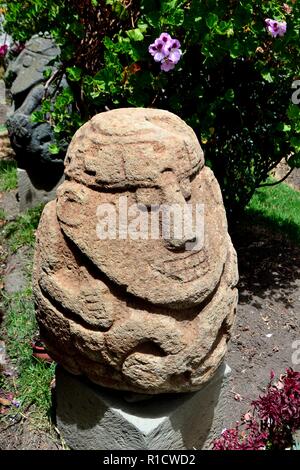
{"points": [[23, 436], [268, 315]]}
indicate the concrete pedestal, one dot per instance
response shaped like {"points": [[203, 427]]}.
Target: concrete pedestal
{"points": [[93, 418], [31, 196]]}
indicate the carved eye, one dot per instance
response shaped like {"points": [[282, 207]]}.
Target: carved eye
{"points": [[148, 196], [72, 197]]}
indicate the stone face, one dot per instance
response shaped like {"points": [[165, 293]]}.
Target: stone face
{"points": [[27, 69], [146, 315]]}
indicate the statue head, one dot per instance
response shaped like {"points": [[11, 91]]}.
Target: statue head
{"points": [[132, 158]]}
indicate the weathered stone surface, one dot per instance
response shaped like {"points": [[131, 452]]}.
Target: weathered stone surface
{"points": [[140, 315], [30, 140], [29, 195]]}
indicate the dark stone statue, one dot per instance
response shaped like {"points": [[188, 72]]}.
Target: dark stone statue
{"points": [[31, 140]]}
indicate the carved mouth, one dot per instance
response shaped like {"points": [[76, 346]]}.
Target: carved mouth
{"points": [[186, 268]]}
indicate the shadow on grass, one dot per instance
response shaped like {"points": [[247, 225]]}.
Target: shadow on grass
{"points": [[268, 251], [280, 224]]}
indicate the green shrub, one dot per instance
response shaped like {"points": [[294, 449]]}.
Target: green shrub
{"points": [[233, 84]]}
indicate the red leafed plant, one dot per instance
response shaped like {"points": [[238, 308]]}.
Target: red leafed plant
{"points": [[274, 419]]}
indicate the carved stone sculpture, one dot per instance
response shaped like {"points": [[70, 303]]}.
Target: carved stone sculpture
{"points": [[145, 315]]}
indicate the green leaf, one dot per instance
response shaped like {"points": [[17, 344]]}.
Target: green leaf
{"points": [[229, 95], [174, 19], [46, 106], [47, 74], [236, 49], [267, 76], [108, 43], [212, 20], [225, 28], [154, 19], [58, 128], [135, 34], [54, 149], [37, 116], [74, 73], [295, 142], [284, 127], [118, 8], [142, 26], [294, 112]]}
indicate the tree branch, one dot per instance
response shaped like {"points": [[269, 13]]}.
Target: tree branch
{"points": [[277, 182], [51, 79]]}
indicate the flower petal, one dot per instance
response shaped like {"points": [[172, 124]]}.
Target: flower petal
{"points": [[165, 37], [175, 55], [159, 56], [167, 66]]}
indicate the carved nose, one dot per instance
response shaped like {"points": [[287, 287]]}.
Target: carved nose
{"points": [[174, 199], [179, 243]]}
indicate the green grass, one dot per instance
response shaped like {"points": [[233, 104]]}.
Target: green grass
{"points": [[32, 384], [8, 175], [278, 207], [21, 231], [3, 128]]}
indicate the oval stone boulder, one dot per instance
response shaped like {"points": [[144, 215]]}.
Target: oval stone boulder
{"points": [[134, 272]]}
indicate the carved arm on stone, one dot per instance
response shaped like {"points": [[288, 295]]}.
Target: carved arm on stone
{"points": [[83, 298], [32, 101]]}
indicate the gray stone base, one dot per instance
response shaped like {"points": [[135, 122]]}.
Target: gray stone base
{"points": [[93, 418], [31, 196]]}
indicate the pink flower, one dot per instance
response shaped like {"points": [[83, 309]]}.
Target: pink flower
{"points": [[166, 50], [3, 50], [276, 28]]}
